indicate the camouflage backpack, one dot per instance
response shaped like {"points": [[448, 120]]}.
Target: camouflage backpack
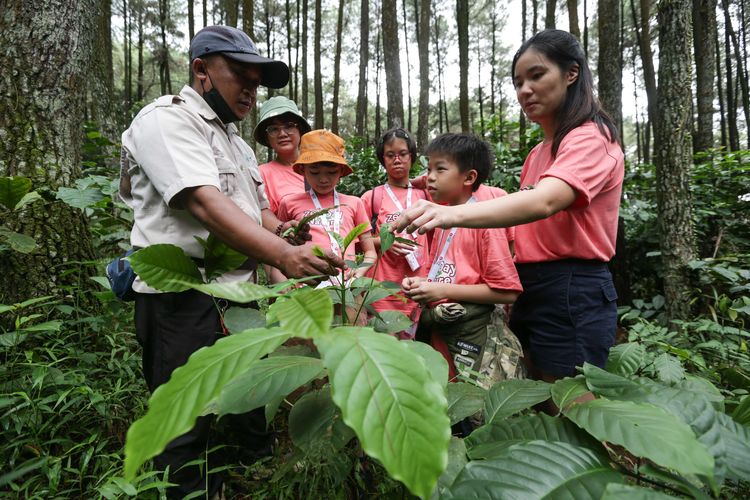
{"points": [[501, 359]]}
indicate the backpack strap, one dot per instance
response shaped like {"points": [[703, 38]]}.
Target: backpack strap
{"points": [[375, 203]]}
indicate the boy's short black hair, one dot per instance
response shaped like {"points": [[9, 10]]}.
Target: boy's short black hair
{"points": [[467, 151], [390, 135]]}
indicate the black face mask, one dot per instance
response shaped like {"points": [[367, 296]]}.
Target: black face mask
{"points": [[216, 102]]}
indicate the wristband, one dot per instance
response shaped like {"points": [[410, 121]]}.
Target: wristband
{"points": [[278, 229]]}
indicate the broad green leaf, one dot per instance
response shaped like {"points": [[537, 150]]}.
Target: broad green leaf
{"points": [[19, 242], [535, 470], [625, 359], [27, 198], [567, 390], [12, 190], [611, 385], [11, 339], [386, 238], [737, 440], [741, 414], [174, 406], [434, 361], [668, 368], [643, 429], [47, 326], [490, 440], [705, 387], [315, 421], [237, 319], [241, 292], [388, 397], [165, 267], [266, 381], [456, 462], [80, 198], [464, 399], [218, 257], [390, 322], [616, 491], [338, 239], [354, 233], [678, 482], [306, 312], [511, 396]]}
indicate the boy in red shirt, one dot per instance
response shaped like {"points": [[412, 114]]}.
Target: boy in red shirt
{"points": [[322, 162], [471, 270]]}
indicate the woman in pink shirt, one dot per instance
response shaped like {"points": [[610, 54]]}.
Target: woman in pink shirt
{"points": [[565, 213]]}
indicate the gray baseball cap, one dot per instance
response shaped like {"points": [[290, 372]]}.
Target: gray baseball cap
{"points": [[236, 45]]}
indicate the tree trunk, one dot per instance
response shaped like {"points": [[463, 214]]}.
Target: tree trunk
{"points": [[127, 57], [408, 67], [462, 22], [549, 16], [101, 86], [205, 13], [423, 45], [336, 70], [493, 58], [441, 90], [649, 74], [140, 90], [609, 66], [318, 76], [521, 115], [741, 67], [364, 57], [305, 89], [378, 85], [720, 94], [248, 20], [297, 49], [586, 27], [673, 153], [731, 96], [164, 78], [42, 131], [704, 30], [392, 63], [575, 30], [191, 19], [480, 95], [534, 16], [232, 7], [292, 68]]}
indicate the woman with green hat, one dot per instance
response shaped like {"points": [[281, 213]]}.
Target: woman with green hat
{"points": [[280, 127]]}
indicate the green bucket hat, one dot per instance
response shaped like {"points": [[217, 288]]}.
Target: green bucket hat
{"points": [[277, 106]]}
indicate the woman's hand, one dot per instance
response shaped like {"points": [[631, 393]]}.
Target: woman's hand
{"points": [[424, 216], [421, 290]]}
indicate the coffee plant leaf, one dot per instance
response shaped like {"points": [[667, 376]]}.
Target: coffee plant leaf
{"points": [[464, 399], [567, 390], [625, 359], [241, 292], [434, 361], [307, 312], [389, 398], [508, 397], [615, 491], [174, 406], [165, 267], [737, 441]]}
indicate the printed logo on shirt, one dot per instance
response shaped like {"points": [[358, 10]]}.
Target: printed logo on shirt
{"points": [[392, 217], [463, 360], [468, 346], [446, 273], [321, 220]]}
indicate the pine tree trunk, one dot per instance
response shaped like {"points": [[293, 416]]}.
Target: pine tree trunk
{"points": [[101, 81], [392, 64], [549, 16], [364, 57], [575, 30], [191, 19], [534, 16], [140, 89], [741, 68], [720, 93], [305, 89], [378, 81], [493, 58], [232, 12], [462, 22], [704, 29], [609, 67], [408, 67], [731, 95], [164, 78], [649, 74], [423, 45], [673, 152], [248, 20], [337, 70], [318, 76], [292, 68], [42, 131], [127, 56]]}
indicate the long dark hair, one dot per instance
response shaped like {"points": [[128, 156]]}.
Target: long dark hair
{"points": [[580, 105]]}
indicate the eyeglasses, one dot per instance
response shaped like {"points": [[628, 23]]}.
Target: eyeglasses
{"points": [[390, 155], [275, 130]]}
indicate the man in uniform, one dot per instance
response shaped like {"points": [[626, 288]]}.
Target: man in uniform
{"points": [[186, 172]]}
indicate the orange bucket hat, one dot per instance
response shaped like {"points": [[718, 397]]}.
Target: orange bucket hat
{"points": [[322, 146]]}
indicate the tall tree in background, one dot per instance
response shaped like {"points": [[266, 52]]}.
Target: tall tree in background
{"points": [[741, 64], [392, 63], [305, 90], [232, 12], [127, 56], [643, 32], [165, 80], [574, 29], [41, 127], [462, 22], [549, 15], [337, 70], [318, 76], [292, 67], [248, 20], [364, 57], [609, 65], [673, 152], [406, 25], [191, 19], [423, 46], [704, 33]]}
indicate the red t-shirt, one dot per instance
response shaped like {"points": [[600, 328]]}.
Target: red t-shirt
{"points": [[594, 167], [351, 213], [280, 180], [476, 256], [392, 266]]}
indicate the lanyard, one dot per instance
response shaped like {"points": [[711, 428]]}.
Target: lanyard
{"points": [[396, 200], [335, 216], [437, 264]]}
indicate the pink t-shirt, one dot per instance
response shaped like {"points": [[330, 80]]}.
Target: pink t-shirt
{"points": [[392, 266], [485, 192], [594, 168], [476, 256], [351, 214], [280, 180]]}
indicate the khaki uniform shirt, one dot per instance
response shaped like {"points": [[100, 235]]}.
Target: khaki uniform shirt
{"points": [[178, 142]]}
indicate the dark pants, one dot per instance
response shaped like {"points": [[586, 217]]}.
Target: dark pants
{"points": [[170, 327], [566, 315]]}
